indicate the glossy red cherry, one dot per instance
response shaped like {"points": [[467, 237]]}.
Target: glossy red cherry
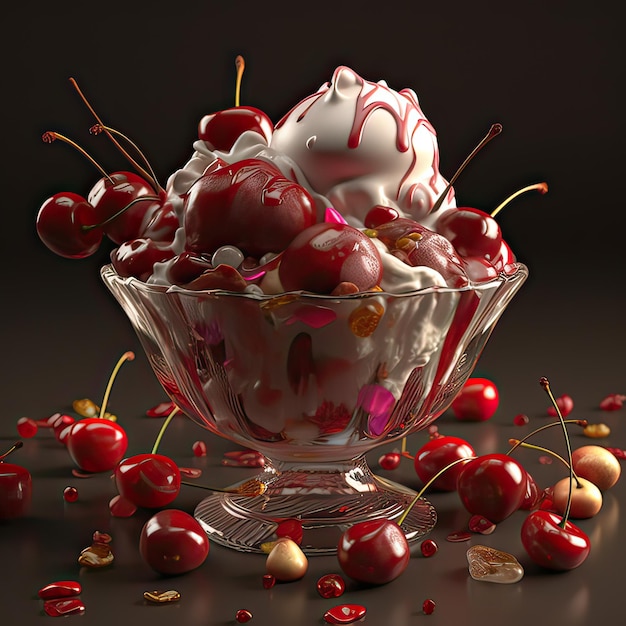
{"points": [[137, 257], [553, 545], [471, 231], [220, 130], [327, 254], [96, 444], [417, 245], [111, 194], [378, 215], [492, 485], [186, 266], [438, 453], [248, 204], [64, 224], [173, 542], [477, 401], [148, 480], [373, 552], [160, 222], [16, 487]]}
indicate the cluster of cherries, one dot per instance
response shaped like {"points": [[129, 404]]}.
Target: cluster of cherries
{"points": [[244, 219], [491, 487]]}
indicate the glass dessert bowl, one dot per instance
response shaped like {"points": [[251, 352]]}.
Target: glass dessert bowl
{"points": [[313, 383]]}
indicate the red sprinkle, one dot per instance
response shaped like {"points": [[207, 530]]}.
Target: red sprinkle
{"points": [[565, 404], [428, 607], [521, 420], [612, 402], [268, 581], [27, 427], [243, 616], [59, 608], [70, 494], [161, 410], [429, 548], [199, 448], [60, 589], [480, 524]]}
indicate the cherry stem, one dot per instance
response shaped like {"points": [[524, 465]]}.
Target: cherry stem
{"points": [[166, 423], [403, 449], [545, 383], [97, 129], [249, 488], [49, 136], [428, 484], [494, 131], [240, 65], [581, 423], [136, 165], [532, 446], [16, 446], [86, 227], [540, 187], [127, 356]]}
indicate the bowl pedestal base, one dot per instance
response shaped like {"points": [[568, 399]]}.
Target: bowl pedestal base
{"points": [[325, 498]]}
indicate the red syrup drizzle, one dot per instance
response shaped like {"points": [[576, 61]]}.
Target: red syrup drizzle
{"points": [[366, 104]]}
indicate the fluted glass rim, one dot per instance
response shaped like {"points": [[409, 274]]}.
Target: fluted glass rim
{"points": [[515, 271]]}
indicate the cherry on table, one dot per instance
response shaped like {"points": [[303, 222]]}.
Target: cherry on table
{"points": [[96, 444], [373, 552], [438, 453], [477, 401], [148, 480], [16, 487], [552, 544], [173, 542], [492, 485]]}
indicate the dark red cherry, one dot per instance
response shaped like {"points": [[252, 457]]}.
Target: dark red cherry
{"points": [[492, 485], [220, 130], [373, 552], [186, 266], [477, 401], [160, 222], [96, 444], [138, 256], [63, 225], [438, 453], [148, 480], [378, 215], [112, 194], [471, 231], [249, 205], [16, 488], [552, 544], [417, 245], [173, 542], [327, 254]]}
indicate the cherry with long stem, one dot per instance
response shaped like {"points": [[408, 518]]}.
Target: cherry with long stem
{"points": [[494, 131], [550, 539], [110, 135]]}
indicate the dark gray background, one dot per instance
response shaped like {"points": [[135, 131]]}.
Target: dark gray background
{"points": [[551, 73]]}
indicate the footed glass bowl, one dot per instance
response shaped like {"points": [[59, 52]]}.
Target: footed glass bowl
{"points": [[313, 383]]}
